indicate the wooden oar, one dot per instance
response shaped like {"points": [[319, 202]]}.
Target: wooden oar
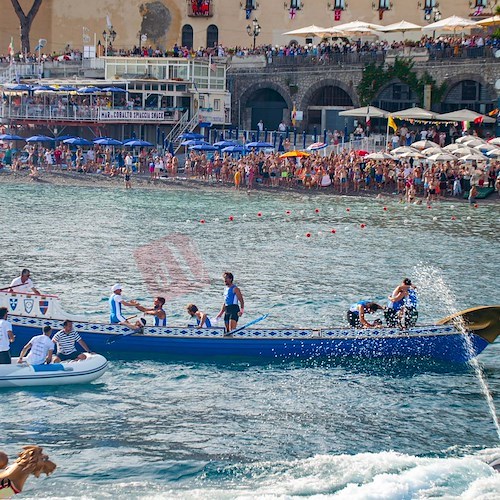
{"points": [[9, 287], [250, 323], [483, 321]]}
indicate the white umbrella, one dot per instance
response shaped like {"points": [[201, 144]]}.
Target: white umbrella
{"points": [[489, 21], [464, 150], [332, 31], [401, 26], [441, 157], [464, 138], [451, 147], [464, 115], [412, 154], [415, 113], [495, 141], [473, 157], [371, 111], [306, 31], [424, 145], [494, 153], [402, 149], [483, 147], [358, 25], [451, 23], [475, 141], [379, 156], [432, 151]]}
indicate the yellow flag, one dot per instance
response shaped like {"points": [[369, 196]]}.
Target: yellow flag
{"points": [[294, 115], [392, 123]]}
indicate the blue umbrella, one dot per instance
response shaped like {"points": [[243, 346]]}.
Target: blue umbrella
{"points": [[234, 149], [114, 89], [88, 90], [67, 88], [204, 147], [64, 137], [191, 135], [40, 138], [10, 137], [107, 141], [225, 144], [259, 144], [43, 88], [20, 87], [78, 141], [138, 143], [193, 142]]}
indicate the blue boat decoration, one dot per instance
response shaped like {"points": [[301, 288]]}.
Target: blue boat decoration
{"points": [[457, 338]]}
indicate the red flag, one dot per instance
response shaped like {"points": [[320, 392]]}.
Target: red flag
{"points": [[368, 119], [478, 120]]}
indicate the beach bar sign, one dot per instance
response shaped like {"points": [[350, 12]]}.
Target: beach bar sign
{"points": [[136, 115]]}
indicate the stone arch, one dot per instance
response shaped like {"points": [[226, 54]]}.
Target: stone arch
{"points": [[247, 117], [388, 102], [487, 90], [332, 121]]}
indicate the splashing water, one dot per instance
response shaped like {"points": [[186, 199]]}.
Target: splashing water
{"points": [[430, 279]]}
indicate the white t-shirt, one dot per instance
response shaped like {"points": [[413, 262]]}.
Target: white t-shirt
{"points": [[27, 287], [5, 327], [40, 346]]}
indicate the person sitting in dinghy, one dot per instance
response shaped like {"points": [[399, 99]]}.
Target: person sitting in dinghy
{"points": [[65, 340], [202, 319], [357, 311], [40, 347]]}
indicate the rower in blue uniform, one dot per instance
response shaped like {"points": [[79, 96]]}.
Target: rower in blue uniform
{"points": [[157, 311], [233, 306], [202, 319], [357, 311], [402, 306], [115, 308]]}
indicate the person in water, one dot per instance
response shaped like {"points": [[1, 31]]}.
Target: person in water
{"points": [[157, 310], [202, 319], [357, 311], [233, 306], [402, 307]]}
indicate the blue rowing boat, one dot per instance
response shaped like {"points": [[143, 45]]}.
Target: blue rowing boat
{"points": [[445, 342]]}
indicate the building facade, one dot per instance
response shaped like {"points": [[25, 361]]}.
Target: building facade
{"points": [[203, 23]]}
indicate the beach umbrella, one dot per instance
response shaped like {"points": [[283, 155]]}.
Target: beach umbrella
{"points": [[78, 141], [258, 144], [420, 145], [489, 21], [371, 111], [107, 141], [494, 153], [379, 156], [114, 89], [88, 90], [137, 143], [464, 138], [402, 26], [11, 137], [20, 87], [473, 141], [495, 141], [66, 88], [402, 149], [294, 154], [193, 142], [203, 147], [315, 146], [353, 25], [465, 115], [473, 157], [306, 32], [224, 144], [43, 88], [441, 157], [483, 147], [451, 147], [233, 149], [464, 150], [451, 23], [411, 154], [40, 138], [191, 135], [432, 151], [63, 137], [415, 113]]}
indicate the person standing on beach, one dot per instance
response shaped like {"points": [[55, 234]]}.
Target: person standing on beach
{"points": [[6, 337], [233, 306], [23, 284]]}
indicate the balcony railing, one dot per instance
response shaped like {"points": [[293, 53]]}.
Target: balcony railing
{"points": [[200, 8]]}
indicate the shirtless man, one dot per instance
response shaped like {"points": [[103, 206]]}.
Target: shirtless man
{"points": [[157, 310], [23, 283]]}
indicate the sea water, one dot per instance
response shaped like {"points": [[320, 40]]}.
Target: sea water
{"points": [[151, 428]]}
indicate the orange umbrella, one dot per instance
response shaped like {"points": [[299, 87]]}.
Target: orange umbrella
{"points": [[294, 154]]}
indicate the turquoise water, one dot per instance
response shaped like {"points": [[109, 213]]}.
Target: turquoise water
{"points": [[156, 429]]}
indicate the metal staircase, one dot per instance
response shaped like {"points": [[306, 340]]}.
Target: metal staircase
{"points": [[182, 126]]}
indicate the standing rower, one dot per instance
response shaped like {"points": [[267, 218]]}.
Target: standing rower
{"points": [[23, 284], [233, 306]]}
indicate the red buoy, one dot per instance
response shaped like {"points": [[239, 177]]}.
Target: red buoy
{"points": [[333, 231], [453, 217], [202, 221], [317, 210], [348, 209], [362, 226], [385, 209], [308, 235], [288, 212], [259, 214], [231, 217]]}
